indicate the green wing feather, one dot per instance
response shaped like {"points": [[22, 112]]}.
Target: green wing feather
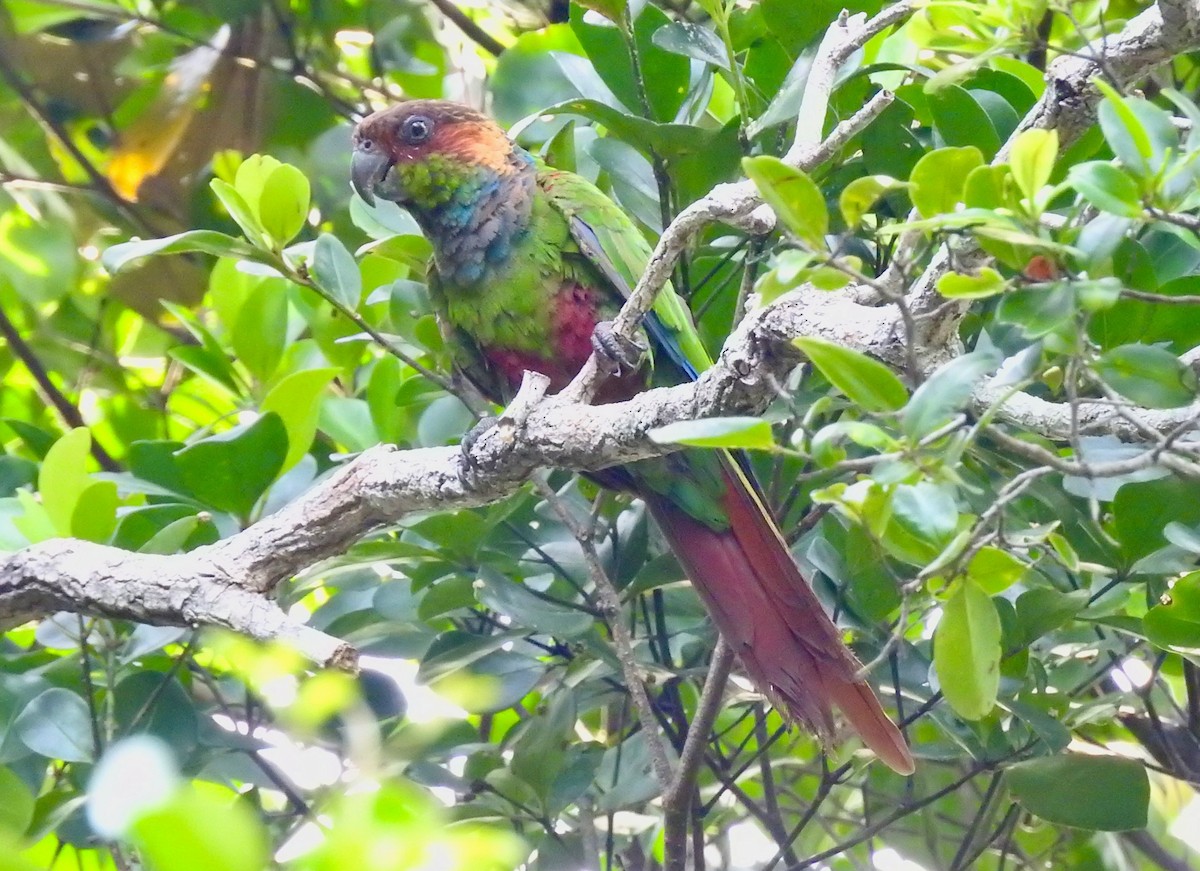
{"points": [[611, 243]]}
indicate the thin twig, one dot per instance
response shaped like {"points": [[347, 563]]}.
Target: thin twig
{"points": [[610, 603], [49, 390], [677, 800], [472, 30]]}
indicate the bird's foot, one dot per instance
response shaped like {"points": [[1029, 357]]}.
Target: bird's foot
{"points": [[510, 424], [467, 467], [615, 354]]}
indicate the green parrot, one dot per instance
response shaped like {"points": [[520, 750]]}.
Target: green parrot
{"points": [[530, 264]]}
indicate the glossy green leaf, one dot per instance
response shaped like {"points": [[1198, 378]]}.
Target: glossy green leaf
{"points": [[231, 470], [57, 725], [1123, 130], [63, 477], [283, 203], [1175, 620], [939, 179], [946, 391], [118, 257], [259, 336], [995, 570], [1042, 610], [793, 195], [1040, 309], [1032, 159], [297, 401], [335, 271], [526, 609], [1101, 793], [242, 212], [1147, 375], [751, 433], [960, 120], [986, 282], [860, 195], [694, 41], [1107, 187], [16, 804], [865, 381], [966, 651]]}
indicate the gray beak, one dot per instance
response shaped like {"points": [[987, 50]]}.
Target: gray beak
{"points": [[368, 166]]}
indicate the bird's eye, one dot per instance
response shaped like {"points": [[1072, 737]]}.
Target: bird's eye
{"points": [[416, 129]]}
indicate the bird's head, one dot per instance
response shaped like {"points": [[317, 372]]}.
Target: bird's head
{"points": [[419, 152]]}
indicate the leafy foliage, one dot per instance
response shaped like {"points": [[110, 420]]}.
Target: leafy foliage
{"points": [[200, 322]]}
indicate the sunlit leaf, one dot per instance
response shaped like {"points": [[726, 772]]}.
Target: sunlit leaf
{"points": [[793, 195], [865, 381], [966, 651]]}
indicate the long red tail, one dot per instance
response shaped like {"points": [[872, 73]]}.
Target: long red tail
{"points": [[768, 613]]}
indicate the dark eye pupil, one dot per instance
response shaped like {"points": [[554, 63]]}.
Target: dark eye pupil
{"points": [[418, 129]]}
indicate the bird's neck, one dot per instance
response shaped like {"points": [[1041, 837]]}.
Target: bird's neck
{"points": [[473, 215]]}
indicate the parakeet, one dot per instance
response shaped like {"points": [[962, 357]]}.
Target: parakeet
{"points": [[527, 262]]}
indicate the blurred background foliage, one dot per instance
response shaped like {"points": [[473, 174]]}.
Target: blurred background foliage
{"points": [[159, 403]]}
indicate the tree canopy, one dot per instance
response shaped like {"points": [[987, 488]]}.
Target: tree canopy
{"points": [[946, 254]]}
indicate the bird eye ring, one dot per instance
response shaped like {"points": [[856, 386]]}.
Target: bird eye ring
{"points": [[416, 129]]}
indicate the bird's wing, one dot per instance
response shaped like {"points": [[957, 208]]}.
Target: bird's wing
{"points": [[610, 242]]}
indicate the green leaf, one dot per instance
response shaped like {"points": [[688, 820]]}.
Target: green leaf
{"points": [[749, 433], [260, 333], [77, 505], [57, 725], [960, 120], [64, 477], [16, 804], [859, 195], [671, 141], [924, 518], [1100, 793], [987, 282], [995, 570], [1123, 130], [118, 257], [794, 196], [946, 391], [1032, 159], [613, 10], [1043, 610], [203, 828], [692, 40], [865, 381], [297, 401], [241, 211], [966, 651], [1039, 310], [336, 272], [940, 177], [95, 516], [1175, 621], [988, 187], [525, 609], [664, 80], [1107, 187], [283, 203], [1149, 376], [231, 470]]}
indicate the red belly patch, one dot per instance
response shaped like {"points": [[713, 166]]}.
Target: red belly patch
{"points": [[573, 321]]}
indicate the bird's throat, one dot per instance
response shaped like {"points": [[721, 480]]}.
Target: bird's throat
{"points": [[472, 215]]}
